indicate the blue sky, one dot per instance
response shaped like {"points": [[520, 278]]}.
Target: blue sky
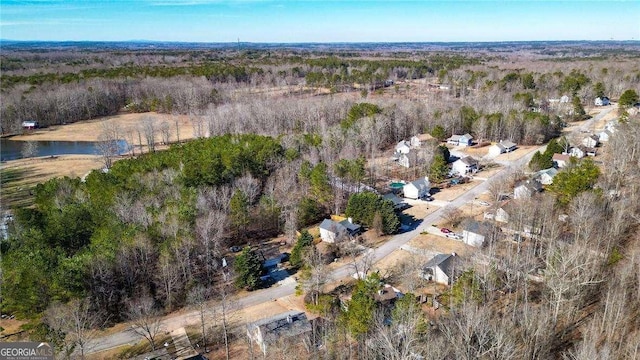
{"points": [[319, 21]]}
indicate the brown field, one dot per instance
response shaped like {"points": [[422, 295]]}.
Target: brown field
{"points": [[20, 176], [90, 130]]}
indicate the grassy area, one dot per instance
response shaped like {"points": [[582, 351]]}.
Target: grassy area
{"points": [[16, 188]]}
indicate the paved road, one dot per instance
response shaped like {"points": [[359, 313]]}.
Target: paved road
{"points": [[273, 293]]}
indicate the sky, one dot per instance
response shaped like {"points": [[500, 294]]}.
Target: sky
{"points": [[293, 21]]}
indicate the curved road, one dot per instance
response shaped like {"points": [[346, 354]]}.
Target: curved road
{"points": [[258, 297]]}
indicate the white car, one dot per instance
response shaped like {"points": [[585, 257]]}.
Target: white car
{"points": [[484, 203], [454, 236]]}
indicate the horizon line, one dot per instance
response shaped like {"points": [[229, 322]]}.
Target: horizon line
{"points": [[321, 42]]}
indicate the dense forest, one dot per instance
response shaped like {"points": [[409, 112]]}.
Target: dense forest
{"points": [[283, 133]]}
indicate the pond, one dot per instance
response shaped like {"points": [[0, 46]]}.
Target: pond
{"points": [[13, 149]]}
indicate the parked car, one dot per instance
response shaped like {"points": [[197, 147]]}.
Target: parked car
{"points": [[445, 231], [235, 249], [484, 203], [428, 198], [454, 236]]}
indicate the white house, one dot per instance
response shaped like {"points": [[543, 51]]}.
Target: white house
{"points": [[577, 152], [441, 269], [404, 161], [504, 146], [415, 142], [289, 326], [560, 160], [403, 147], [604, 136], [500, 215], [465, 165], [545, 177], [564, 99], [417, 189], [460, 140], [454, 140], [474, 233], [333, 231], [591, 141], [29, 124], [601, 101], [526, 189]]}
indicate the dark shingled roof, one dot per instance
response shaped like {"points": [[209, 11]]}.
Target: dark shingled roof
{"points": [[279, 326]]}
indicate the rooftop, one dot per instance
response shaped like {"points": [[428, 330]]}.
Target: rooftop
{"points": [[288, 324]]}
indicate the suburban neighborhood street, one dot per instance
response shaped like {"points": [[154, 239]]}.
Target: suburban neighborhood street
{"points": [[271, 294]]}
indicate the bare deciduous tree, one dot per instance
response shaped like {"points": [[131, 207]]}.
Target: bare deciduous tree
{"points": [[108, 146], [77, 323], [146, 320]]}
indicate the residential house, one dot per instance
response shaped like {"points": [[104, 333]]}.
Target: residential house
{"points": [[415, 142], [290, 326], [611, 126], [499, 215], [29, 124], [465, 140], [504, 146], [461, 140], [545, 177], [441, 269], [475, 232], [526, 189], [465, 165], [398, 203], [404, 160], [560, 160], [417, 189], [564, 99], [577, 152], [403, 147], [387, 295], [333, 231], [591, 141], [604, 136], [601, 101]]}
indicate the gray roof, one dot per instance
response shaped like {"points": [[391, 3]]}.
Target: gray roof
{"points": [[443, 261], [403, 143], [531, 185], [477, 227], [469, 161], [507, 144], [288, 324], [336, 227], [550, 171], [350, 226], [421, 183], [330, 225], [394, 199]]}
